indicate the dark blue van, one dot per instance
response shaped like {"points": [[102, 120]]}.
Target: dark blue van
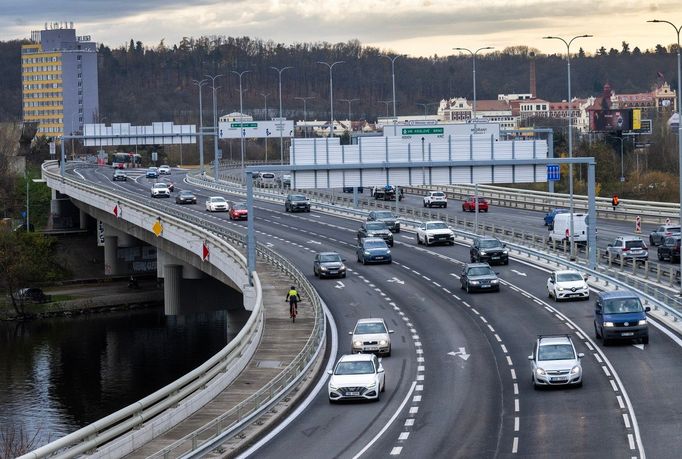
{"points": [[619, 315]]}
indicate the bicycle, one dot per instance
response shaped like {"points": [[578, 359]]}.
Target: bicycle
{"points": [[293, 310]]}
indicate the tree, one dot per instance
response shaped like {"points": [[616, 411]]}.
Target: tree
{"points": [[625, 49], [25, 258]]}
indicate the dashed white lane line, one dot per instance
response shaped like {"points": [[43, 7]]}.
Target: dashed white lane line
{"points": [[414, 409], [626, 420], [620, 402], [631, 440], [409, 422], [419, 388], [515, 445], [513, 374], [516, 424], [509, 361], [516, 405], [504, 348], [598, 358], [516, 389], [417, 398], [396, 450], [613, 385], [403, 436], [606, 371]]}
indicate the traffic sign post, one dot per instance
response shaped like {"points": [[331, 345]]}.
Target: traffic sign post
{"points": [[638, 225]]}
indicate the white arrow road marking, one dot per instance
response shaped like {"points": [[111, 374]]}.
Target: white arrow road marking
{"points": [[396, 280], [639, 346], [519, 273], [339, 284], [407, 237], [319, 243], [461, 353]]}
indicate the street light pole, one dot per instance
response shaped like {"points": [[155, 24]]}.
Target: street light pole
{"points": [[679, 119], [473, 57], [331, 94], [305, 114], [392, 59], [281, 120], [570, 136], [241, 111], [388, 103], [215, 123], [265, 96], [622, 171], [200, 84], [350, 101]]}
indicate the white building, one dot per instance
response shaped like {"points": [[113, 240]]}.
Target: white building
{"points": [[235, 116]]}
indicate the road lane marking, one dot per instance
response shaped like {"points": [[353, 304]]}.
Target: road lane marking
{"points": [[403, 436], [516, 424], [396, 450], [515, 445], [626, 420], [409, 422]]}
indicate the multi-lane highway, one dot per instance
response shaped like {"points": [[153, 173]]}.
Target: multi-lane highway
{"points": [[458, 380]]}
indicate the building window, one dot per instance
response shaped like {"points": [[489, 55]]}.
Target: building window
{"points": [[78, 58]]}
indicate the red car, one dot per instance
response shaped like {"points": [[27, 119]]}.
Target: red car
{"points": [[238, 212], [470, 204]]}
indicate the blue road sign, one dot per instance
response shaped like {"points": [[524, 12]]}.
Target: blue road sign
{"points": [[553, 172]]}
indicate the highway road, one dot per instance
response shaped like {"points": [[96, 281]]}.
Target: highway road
{"points": [[458, 381]]}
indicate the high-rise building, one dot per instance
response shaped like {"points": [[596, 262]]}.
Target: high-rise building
{"points": [[59, 80]]}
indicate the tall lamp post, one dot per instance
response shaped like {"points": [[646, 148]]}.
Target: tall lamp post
{"points": [[570, 135], [201, 84], [331, 95], [281, 144], [622, 170], [679, 116], [241, 111], [265, 96], [215, 123], [473, 58], [388, 103], [350, 101], [305, 113], [392, 59]]}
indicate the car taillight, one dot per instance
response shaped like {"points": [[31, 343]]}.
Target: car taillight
{"points": [[625, 249]]}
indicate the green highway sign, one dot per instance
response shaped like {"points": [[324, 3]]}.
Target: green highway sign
{"points": [[244, 125], [422, 131]]}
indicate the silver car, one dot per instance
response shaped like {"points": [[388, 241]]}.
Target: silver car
{"points": [[371, 335], [555, 362], [629, 248]]}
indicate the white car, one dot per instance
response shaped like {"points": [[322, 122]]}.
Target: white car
{"points": [[160, 190], [435, 198], [164, 169], [216, 204], [567, 284], [555, 362], [356, 377], [371, 335], [434, 232]]}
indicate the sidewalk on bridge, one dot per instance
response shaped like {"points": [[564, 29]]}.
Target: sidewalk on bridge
{"points": [[281, 342]]}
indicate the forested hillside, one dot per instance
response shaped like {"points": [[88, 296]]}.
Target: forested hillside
{"points": [[146, 82]]}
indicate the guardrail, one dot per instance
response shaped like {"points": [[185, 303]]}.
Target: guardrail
{"points": [[203, 382]]}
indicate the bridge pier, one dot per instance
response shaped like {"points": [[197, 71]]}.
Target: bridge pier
{"points": [[171, 289]]}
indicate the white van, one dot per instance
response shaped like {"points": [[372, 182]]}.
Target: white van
{"points": [[266, 179], [562, 228]]}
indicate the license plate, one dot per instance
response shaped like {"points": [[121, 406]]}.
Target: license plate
{"points": [[379, 258], [559, 379], [485, 286], [495, 258], [372, 348], [352, 393], [627, 334]]}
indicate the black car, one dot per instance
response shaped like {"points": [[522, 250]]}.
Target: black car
{"points": [[185, 197], [670, 249], [479, 276], [329, 264], [297, 203], [31, 295], [349, 189], [490, 250], [119, 175], [375, 229], [387, 217]]}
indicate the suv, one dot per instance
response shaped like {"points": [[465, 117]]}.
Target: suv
{"points": [[670, 249], [554, 362], [434, 232], [470, 204], [373, 250], [164, 169], [619, 315], [375, 229], [119, 175], [627, 247], [659, 234], [387, 217], [160, 189], [490, 250], [435, 198], [296, 202], [371, 335]]}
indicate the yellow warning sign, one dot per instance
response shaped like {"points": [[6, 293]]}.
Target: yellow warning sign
{"points": [[157, 228]]}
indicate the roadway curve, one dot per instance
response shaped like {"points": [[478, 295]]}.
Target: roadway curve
{"points": [[483, 406]]}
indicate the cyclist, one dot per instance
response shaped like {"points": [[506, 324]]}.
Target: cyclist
{"points": [[293, 298]]}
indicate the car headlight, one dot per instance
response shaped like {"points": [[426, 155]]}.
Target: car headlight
{"points": [[322, 268], [383, 342], [372, 385], [388, 252], [495, 281], [370, 234], [575, 370], [357, 343], [483, 252], [608, 324], [540, 372], [642, 322], [332, 386], [506, 252], [561, 289], [342, 268], [473, 282], [366, 252]]}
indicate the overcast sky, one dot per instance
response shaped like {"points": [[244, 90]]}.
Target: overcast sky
{"points": [[414, 27]]}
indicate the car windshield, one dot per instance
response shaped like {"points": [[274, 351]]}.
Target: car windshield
{"points": [[218, 200], [556, 352], [480, 271], [568, 277], [634, 244], [376, 226], [367, 328], [152, 168], [375, 245], [438, 195], [297, 198], [479, 199], [433, 226], [384, 215], [489, 243], [330, 258], [160, 185], [186, 193], [622, 305], [239, 207], [354, 368]]}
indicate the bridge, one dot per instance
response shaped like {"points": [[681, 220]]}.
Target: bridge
{"points": [[437, 403]]}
